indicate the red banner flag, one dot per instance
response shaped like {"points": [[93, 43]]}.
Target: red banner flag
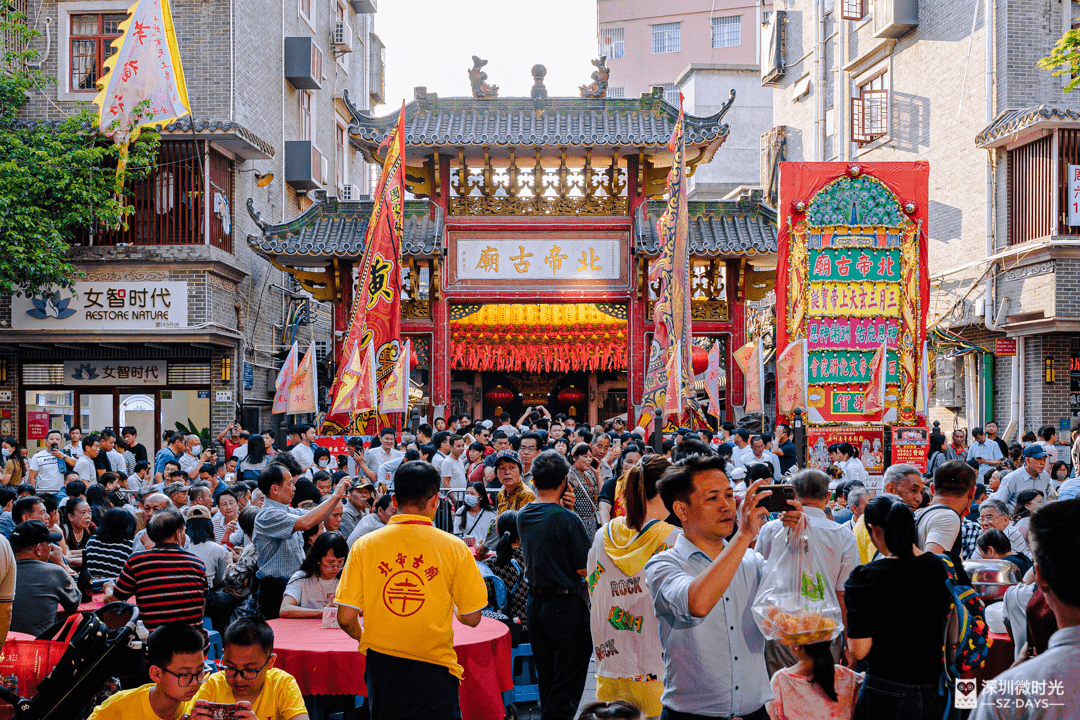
{"points": [[791, 378], [376, 311], [874, 397], [712, 380], [748, 358], [357, 391], [671, 312], [395, 394], [304, 388]]}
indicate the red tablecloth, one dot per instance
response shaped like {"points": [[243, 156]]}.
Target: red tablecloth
{"points": [[97, 603], [326, 661]]}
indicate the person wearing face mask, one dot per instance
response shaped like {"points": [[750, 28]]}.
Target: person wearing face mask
{"points": [[194, 456], [322, 460], [476, 516]]}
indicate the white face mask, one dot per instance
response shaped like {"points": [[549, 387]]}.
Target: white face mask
{"points": [[6, 452], [197, 450], [472, 500], [324, 463]]}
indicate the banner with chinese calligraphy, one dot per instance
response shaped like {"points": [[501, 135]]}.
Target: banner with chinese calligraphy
{"points": [[144, 80], [284, 379], [671, 313], [748, 358], [713, 375], [376, 310], [791, 378], [851, 278], [115, 372], [37, 425], [874, 397], [303, 388], [910, 446], [358, 389], [868, 441], [104, 306], [395, 393]]}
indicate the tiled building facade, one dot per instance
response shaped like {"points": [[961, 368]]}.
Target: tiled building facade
{"points": [[925, 81], [255, 115]]}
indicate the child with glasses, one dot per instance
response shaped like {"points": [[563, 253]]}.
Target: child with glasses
{"points": [[249, 679], [175, 656]]}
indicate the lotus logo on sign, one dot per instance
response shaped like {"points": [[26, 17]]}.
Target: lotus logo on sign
{"points": [[51, 306], [86, 371]]}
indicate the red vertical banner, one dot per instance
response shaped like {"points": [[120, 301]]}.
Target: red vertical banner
{"points": [[376, 311], [851, 279]]}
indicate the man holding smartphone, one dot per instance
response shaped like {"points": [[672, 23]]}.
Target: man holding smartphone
{"points": [[702, 589], [47, 466]]}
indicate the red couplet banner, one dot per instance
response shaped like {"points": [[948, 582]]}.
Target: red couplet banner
{"points": [[910, 445]]}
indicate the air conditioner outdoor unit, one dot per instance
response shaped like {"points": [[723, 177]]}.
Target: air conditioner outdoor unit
{"points": [[346, 192], [341, 37]]}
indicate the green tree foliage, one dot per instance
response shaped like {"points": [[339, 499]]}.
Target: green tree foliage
{"points": [[1064, 59], [56, 179]]}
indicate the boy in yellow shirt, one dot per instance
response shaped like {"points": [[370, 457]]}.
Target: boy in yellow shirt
{"points": [[407, 580], [175, 656], [249, 679]]}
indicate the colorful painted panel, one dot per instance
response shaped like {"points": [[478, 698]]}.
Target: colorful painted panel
{"points": [[868, 441], [852, 267]]}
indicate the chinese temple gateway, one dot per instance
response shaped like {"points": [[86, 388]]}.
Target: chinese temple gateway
{"points": [[526, 250]]}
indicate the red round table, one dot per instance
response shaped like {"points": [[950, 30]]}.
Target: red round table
{"points": [[326, 661]]}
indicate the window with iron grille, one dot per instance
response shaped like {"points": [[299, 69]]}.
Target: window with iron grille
{"points": [[870, 111], [52, 374], [666, 38], [612, 43], [727, 31], [91, 44], [671, 94], [616, 92], [189, 374], [852, 9]]}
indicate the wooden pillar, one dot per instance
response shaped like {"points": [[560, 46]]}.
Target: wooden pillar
{"points": [[440, 350], [342, 306], [736, 298], [637, 351], [478, 396], [593, 398]]}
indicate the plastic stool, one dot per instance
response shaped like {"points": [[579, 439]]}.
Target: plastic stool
{"points": [[216, 648], [526, 684]]}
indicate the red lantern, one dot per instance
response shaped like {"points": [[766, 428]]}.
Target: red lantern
{"points": [[498, 396], [570, 396], [699, 360]]}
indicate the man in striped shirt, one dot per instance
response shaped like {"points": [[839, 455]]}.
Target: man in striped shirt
{"points": [[168, 582]]}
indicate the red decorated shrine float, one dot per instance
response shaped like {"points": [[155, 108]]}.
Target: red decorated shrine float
{"points": [[526, 249]]}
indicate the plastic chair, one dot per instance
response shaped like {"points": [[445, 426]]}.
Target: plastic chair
{"points": [[216, 648], [526, 684]]}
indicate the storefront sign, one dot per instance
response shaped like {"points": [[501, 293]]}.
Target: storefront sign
{"points": [[115, 372], [1005, 347], [909, 446], [223, 396], [1074, 195], [105, 306], [1074, 385], [869, 441], [37, 425], [249, 376], [548, 258]]}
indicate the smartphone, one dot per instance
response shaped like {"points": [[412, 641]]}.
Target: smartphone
{"points": [[777, 502], [223, 711]]}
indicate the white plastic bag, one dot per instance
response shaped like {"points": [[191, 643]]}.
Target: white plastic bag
{"points": [[796, 603]]}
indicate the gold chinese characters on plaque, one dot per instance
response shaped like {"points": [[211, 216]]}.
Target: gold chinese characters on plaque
{"points": [[547, 259]]}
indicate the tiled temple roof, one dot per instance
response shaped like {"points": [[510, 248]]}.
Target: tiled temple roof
{"points": [[743, 226]]}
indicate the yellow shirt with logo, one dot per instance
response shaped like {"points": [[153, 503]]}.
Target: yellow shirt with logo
{"points": [[279, 699], [863, 541], [132, 705], [406, 579]]}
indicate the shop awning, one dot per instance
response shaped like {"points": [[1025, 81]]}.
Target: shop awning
{"points": [[538, 338]]}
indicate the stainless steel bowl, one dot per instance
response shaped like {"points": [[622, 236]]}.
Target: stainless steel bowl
{"points": [[991, 578]]}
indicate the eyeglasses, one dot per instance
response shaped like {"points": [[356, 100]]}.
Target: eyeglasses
{"points": [[248, 674], [184, 679]]}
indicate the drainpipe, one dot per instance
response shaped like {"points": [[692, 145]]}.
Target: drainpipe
{"points": [[1020, 394], [819, 81]]}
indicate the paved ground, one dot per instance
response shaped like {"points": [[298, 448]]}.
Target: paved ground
{"points": [[532, 712]]}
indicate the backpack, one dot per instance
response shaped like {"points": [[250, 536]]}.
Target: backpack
{"points": [[967, 635], [953, 553]]}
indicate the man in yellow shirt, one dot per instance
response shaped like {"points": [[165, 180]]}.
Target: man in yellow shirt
{"points": [[175, 656], [406, 580], [248, 678]]}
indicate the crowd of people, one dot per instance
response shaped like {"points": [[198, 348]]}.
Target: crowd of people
{"points": [[593, 546]]}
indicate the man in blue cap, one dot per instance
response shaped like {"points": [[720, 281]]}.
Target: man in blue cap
{"points": [[1030, 476]]}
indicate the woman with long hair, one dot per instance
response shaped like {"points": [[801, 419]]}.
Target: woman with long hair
{"points": [[618, 554], [815, 688], [75, 522], [582, 480], [474, 471], [562, 445], [475, 515], [107, 551], [1027, 502], [14, 463], [936, 454], [255, 461], [200, 532], [509, 564], [99, 502], [611, 503], [1059, 473], [896, 611], [314, 585]]}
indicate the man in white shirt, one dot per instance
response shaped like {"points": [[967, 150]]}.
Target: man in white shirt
{"points": [[84, 466], [1047, 440], [74, 448], [194, 456], [985, 452], [452, 471], [759, 455], [116, 458], [375, 457], [1031, 476], [741, 438], [441, 442], [47, 466], [302, 450], [938, 524], [836, 543]]}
